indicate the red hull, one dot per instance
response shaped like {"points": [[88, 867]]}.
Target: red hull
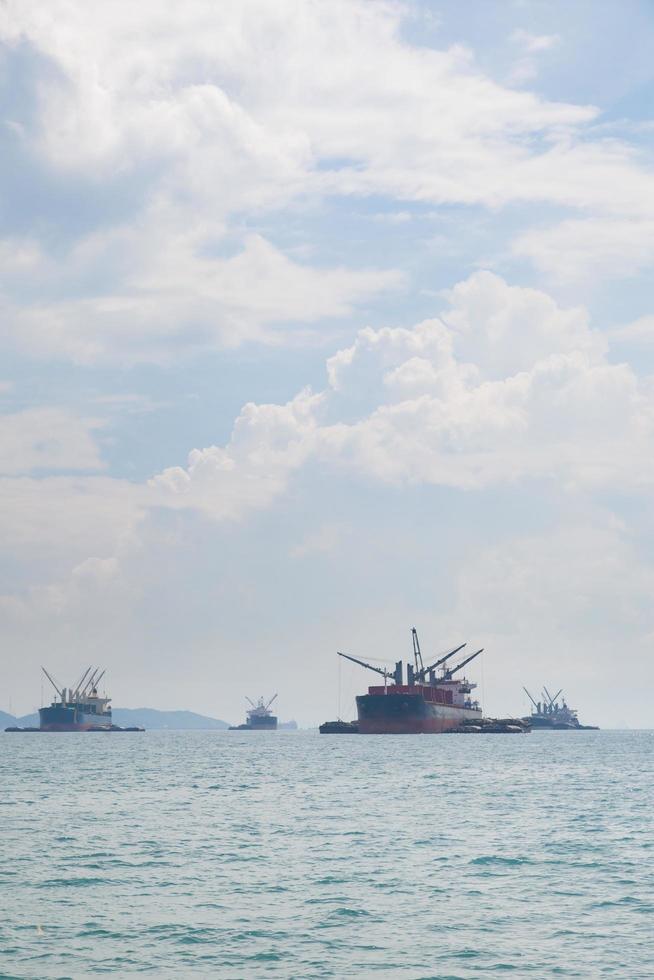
{"points": [[408, 712]]}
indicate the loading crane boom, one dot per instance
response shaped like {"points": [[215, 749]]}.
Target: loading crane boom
{"points": [[549, 696], [362, 663], [535, 704], [80, 682], [88, 686], [452, 670], [417, 655], [96, 682], [423, 673], [60, 693]]}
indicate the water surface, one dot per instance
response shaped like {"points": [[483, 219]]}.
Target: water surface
{"points": [[255, 855]]}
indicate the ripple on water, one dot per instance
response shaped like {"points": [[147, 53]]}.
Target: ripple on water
{"points": [[410, 859]]}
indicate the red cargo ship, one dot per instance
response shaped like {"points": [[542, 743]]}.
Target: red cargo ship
{"points": [[432, 700]]}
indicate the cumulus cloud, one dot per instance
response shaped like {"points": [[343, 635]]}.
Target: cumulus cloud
{"points": [[268, 443], [505, 386]]}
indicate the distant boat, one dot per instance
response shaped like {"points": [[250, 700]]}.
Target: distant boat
{"points": [[259, 718], [549, 714], [77, 709]]}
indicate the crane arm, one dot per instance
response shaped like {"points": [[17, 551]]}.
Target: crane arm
{"points": [[417, 655], [53, 683], [441, 660], [453, 670], [88, 685], [97, 681], [530, 698], [362, 663], [81, 681]]}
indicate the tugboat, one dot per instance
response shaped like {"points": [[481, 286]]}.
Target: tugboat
{"points": [[78, 709], [549, 714], [428, 702], [259, 718]]}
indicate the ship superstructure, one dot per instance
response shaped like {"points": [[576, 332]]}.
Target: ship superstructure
{"points": [[259, 717], [549, 713], [79, 708], [431, 700]]}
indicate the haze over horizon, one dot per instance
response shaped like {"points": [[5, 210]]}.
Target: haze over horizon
{"points": [[323, 319]]}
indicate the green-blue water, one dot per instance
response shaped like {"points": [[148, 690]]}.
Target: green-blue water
{"points": [[243, 855]]}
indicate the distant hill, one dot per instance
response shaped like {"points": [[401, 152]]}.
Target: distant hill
{"points": [[27, 721], [148, 718], [155, 720]]}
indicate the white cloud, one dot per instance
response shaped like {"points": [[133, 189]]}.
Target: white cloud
{"points": [[505, 387], [526, 68], [65, 520], [574, 250], [268, 443], [534, 42], [639, 333], [47, 439], [217, 113], [167, 298]]}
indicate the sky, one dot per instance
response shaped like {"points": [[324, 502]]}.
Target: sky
{"points": [[322, 319]]}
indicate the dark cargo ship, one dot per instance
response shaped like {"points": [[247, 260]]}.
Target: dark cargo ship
{"points": [[78, 709], [431, 701], [549, 714], [259, 718]]}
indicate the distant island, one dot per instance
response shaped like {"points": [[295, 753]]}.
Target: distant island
{"points": [[149, 718]]}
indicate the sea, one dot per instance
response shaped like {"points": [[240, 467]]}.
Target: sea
{"points": [[296, 855]]}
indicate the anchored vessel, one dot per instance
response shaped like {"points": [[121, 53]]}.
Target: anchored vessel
{"points": [[77, 709], [432, 700], [259, 718], [549, 714]]}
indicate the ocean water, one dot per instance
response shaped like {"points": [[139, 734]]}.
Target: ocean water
{"points": [[242, 855]]}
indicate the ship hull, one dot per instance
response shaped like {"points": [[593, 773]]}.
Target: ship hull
{"points": [[257, 723], [409, 714], [60, 718]]}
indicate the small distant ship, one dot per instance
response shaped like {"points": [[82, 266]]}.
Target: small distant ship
{"points": [[259, 718], [549, 714], [432, 700], [77, 709]]}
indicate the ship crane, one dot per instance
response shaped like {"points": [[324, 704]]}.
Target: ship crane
{"points": [[549, 696], [379, 670], [420, 676], [447, 676], [420, 667], [59, 692], [78, 686], [536, 704]]}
